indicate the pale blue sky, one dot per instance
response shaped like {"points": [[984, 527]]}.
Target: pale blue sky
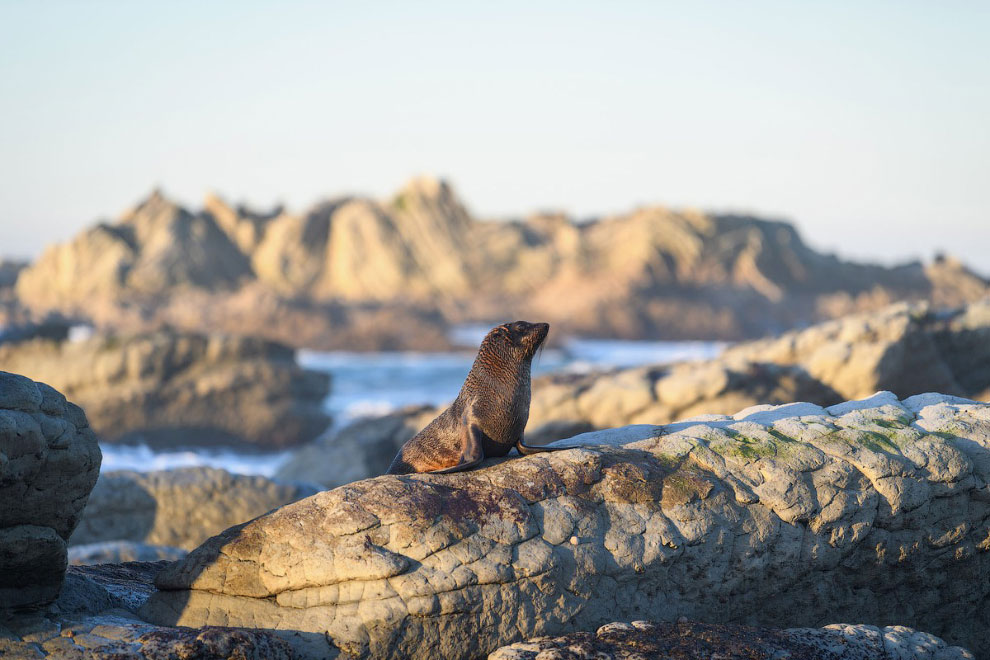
{"points": [[866, 123]]}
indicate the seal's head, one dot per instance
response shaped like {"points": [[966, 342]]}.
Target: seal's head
{"points": [[517, 341]]}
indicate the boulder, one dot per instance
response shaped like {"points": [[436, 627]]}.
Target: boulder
{"points": [[874, 511], [181, 507], [177, 388], [907, 348], [684, 639], [49, 462], [362, 449]]}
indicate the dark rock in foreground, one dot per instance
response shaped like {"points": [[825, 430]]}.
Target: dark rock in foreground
{"points": [[702, 641], [874, 511], [181, 507], [94, 619], [118, 552], [180, 388], [49, 461]]}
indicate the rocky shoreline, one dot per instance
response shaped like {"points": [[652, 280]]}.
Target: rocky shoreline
{"points": [[779, 516]]}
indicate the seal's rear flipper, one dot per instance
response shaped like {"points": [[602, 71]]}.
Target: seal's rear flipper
{"points": [[526, 450]]}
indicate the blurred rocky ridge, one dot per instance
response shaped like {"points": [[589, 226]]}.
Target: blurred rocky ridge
{"points": [[181, 388], [360, 273], [906, 348]]}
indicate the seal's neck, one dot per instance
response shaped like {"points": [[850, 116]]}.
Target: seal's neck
{"points": [[494, 372]]}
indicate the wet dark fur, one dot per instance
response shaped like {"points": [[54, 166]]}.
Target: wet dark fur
{"points": [[489, 415]]}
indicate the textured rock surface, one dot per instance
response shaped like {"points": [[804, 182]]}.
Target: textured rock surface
{"points": [[181, 388], [650, 273], [181, 507], [875, 511], [49, 461], [701, 641], [94, 619]]}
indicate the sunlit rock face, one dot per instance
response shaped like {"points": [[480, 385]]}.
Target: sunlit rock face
{"points": [[650, 273], [872, 511], [49, 461]]}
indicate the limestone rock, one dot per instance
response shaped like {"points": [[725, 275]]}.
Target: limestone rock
{"points": [[181, 389], [49, 461], [647, 639], [362, 449], [873, 510], [180, 507]]}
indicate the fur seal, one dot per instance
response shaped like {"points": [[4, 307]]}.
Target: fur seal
{"points": [[489, 415]]}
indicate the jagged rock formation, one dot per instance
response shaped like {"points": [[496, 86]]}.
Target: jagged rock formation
{"points": [[181, 388], [49, 461], [95, 618], [650, 273], [645, 639], [873, 511], [180, 508]]}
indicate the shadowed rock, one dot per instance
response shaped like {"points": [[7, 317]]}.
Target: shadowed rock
{"points": [[692, 640], [874, 511], [181, 507], [94, 619], [49, 461]]}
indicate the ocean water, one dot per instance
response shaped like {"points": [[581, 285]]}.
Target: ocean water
{"points": [[366, 384]]}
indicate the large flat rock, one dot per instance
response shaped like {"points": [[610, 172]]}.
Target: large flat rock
{"points": [[874, 511]]}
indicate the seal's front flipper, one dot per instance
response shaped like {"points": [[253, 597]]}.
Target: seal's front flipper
{"points": [[472, 451], [526, 450]]}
